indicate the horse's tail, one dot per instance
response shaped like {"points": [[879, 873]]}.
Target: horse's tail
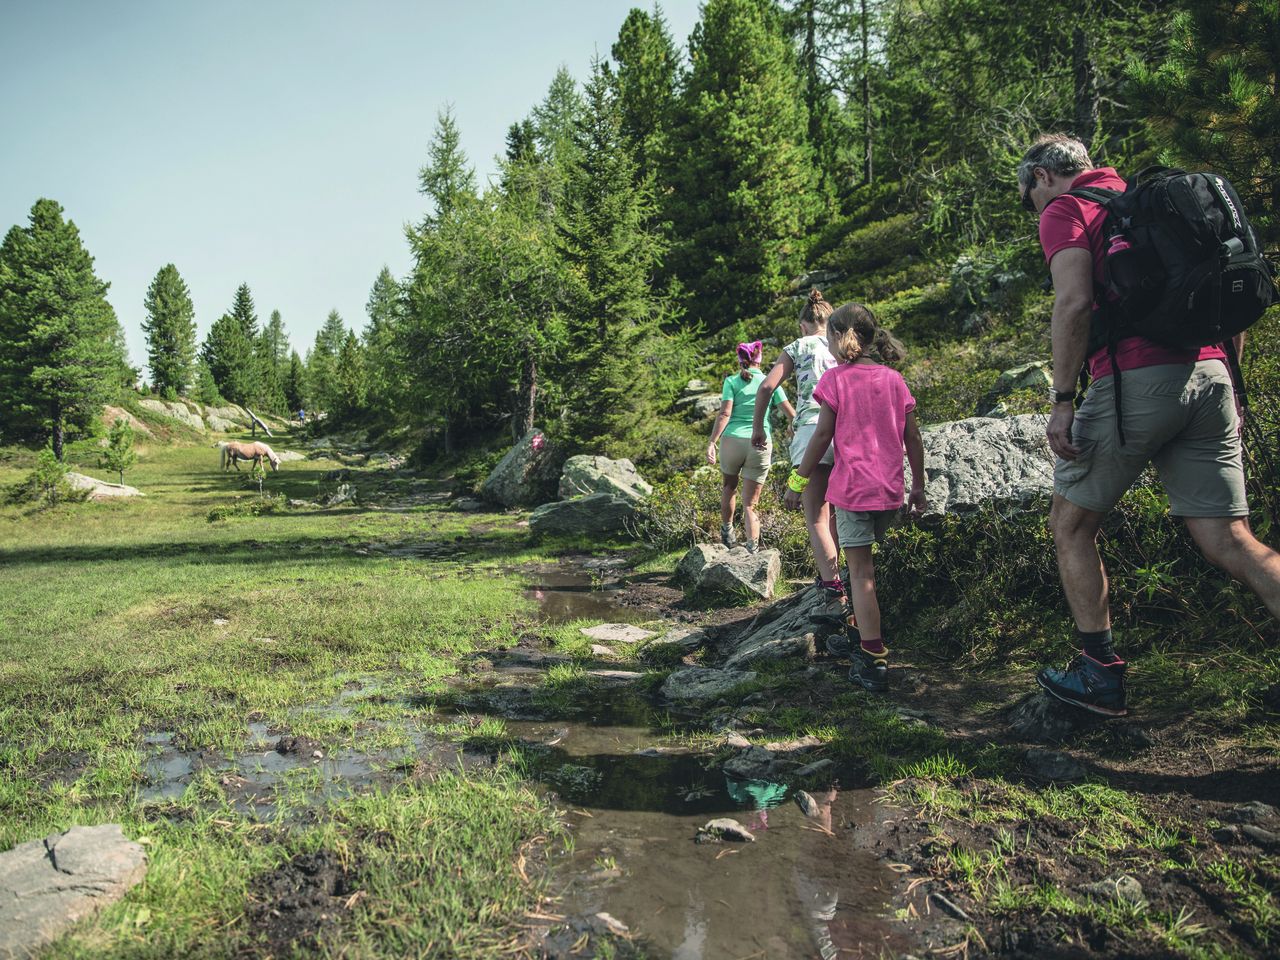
{"points": [[222, 455]]}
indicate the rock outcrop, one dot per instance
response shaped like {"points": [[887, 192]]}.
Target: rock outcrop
{"points": [[583, 475], [523, 475], [599, 514], [781, 630], [49, 884], [1030, 376], [702, 684], [712, 570], [174, 411], [972, 462], [698, 402], [101, 489]]}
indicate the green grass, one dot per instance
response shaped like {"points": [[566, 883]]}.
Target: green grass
{"points": [[137, 616]]}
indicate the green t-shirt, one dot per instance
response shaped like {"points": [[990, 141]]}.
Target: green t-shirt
{"points": [[743, 394]]}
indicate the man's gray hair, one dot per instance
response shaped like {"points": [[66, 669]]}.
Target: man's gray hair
{"points": [[1056, 152]]}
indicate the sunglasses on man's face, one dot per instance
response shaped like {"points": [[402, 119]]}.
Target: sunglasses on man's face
{"points": [[1027, 203]]}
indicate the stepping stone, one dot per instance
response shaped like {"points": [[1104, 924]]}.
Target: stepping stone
{"points": [[616, 633], [49, 884], [616, 676], [600, 650]]}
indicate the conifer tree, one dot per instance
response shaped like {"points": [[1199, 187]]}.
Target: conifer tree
{"points": [[646, 86], [119, 454], [743, 176], [383, 364], [322, 362], [204, 384], [613, 253], [1216, 99], [170, 326], [231, 360], [60, 343], [447, 179], [554, 119], [295, 389], [349, 378]]}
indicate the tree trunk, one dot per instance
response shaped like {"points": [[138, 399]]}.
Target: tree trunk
{"points": [[866, 94], [448, 436], [59, 430], [1086, 87], [527, 394]]}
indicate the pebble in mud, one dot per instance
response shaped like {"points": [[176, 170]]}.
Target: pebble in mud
{"points": [[723, 828], [808, 806]]}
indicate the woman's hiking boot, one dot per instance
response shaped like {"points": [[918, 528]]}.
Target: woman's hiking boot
{"points": [[727, 536], [753, 547], [1088, 684], [870, 670]]}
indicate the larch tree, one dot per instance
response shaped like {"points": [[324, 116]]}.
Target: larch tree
{"points": [[170, 328], [60, 343], [743, 176], [645, 81]]}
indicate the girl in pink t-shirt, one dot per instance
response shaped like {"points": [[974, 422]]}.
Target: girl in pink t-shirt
{"points": [[869, 414]]}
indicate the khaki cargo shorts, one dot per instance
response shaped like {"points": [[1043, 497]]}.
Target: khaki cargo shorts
{"points": [[862, 528], [1179, 417], [739, 458], [800, 443]]}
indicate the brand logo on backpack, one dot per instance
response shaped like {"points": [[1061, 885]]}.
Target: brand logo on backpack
{"points": [[1220, 185]]}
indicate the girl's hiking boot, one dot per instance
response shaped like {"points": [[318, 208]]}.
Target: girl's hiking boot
{"points": [[1088, 684], [832, 608], [870, 670], [727, 536]]}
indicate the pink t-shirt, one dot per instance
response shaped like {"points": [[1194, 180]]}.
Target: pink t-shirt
{"points": [[1075, 222], [871, 403]]}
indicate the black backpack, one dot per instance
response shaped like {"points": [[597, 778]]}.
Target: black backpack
{"points": [[1183, 266]]}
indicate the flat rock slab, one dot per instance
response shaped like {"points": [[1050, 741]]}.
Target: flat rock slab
{"points": [[47, 885], [101, 489], [703, 683], [616, 633]]}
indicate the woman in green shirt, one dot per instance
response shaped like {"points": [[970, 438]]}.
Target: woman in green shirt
{"points": [[737, 456]]}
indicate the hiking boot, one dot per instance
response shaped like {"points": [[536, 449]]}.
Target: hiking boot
{"points": [[727, 536], [843, 644], [869, 670], [1088, 684], [753, 547], [833, 609]]}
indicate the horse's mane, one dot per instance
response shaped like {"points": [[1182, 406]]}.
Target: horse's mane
{"points": [[270, 453]]}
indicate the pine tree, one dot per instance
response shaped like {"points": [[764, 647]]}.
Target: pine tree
{"points": [[204, 384], [614, 316], [743, 176], [555, 117], [447, 179], [272, 351], [170, 326], [60, 352], [1216, 99], [231, 360], [384, 367], [295, 383], [322, 362], [119, 454], [244, 312], [646, 86], [349, 378]]}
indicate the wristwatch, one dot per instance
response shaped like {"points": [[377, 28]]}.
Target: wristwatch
{"points": [[1061, 396]]}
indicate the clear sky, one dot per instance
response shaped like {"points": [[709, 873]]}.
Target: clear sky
{"points": [[269, 142]]}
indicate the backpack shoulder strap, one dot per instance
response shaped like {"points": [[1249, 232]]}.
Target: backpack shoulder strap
{"points": [[1097, 194]]}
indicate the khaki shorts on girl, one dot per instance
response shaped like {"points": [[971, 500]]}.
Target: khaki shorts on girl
{"points": [[862, 528], [800, 443], [739, 458]]}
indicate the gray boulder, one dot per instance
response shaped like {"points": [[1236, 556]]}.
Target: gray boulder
{"points": [[784, 629], [101, 489], [585, 475], [523, 475], [47, 885], [699, 408], [1029, 376], [174, 411], [972, 462], [700, 684], [711, 570], [599, 514], [682, 640], [219, 425]]}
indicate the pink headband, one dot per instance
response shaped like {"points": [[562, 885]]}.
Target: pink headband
{"points": [[750, 351]]}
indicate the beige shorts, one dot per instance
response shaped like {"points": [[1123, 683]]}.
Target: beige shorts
{"points": [[800, 443], [739, 458], [1179, 417], [861, 528]]}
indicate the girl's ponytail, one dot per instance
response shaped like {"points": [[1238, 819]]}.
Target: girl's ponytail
{"points": [[857, 334], [749, 353]]}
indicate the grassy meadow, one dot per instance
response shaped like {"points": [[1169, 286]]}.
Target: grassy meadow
{"points": [[130, 619]]}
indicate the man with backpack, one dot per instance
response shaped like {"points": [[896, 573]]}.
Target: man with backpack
{"points": [[1145, 277]]}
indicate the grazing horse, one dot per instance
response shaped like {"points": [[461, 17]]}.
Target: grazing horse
{"points": [[233, 451]]}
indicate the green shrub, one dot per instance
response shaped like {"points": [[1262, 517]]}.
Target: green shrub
{"points": [[247, 507], [46, 485], [876, 245]]}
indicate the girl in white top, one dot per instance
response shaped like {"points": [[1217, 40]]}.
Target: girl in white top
{"points": [[808, 358]]}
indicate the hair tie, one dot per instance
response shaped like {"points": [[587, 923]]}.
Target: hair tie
{"points": [[750, 352]]}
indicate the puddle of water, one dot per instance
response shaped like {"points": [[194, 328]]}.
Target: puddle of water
{"points": [[566, 595]]}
